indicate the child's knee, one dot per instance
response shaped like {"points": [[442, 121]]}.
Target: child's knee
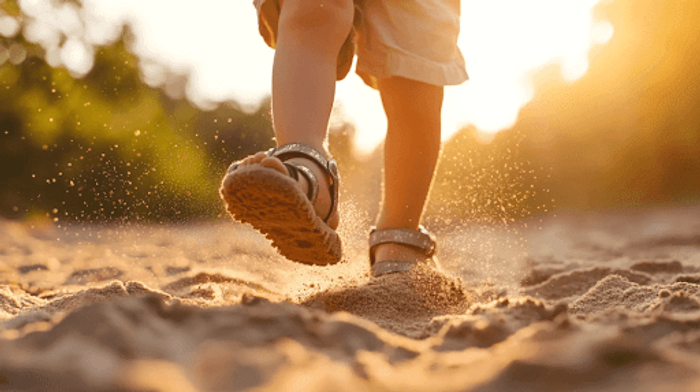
{"points": [[325, 19]]}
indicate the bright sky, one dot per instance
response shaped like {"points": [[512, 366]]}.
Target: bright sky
{"points": [[217, 43]]}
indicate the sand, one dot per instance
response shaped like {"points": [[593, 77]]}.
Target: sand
{"points": [[577, 302]]}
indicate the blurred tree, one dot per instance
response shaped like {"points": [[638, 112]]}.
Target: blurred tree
{"points": [[626, 134], [105, 145]]}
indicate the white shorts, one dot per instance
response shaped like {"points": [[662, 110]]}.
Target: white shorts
{"points": [[415, 39]]}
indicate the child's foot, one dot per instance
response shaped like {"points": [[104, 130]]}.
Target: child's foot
{"points": [[289, 194], [323, 202], [399, 250]]}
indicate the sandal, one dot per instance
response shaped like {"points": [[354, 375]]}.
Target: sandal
{"points": [[418, 239], [273, 204]]}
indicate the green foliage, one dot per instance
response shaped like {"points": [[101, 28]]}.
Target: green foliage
{"points": [[10, 7], [108, 147]]}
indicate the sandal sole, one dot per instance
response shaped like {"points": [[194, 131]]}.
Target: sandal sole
{"points": [[271, 203]]}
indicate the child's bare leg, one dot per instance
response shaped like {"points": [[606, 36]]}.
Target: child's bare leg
{"points": [[310, 35], [410, 154]]}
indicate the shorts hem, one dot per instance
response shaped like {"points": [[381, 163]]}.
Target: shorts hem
{"points": [[371, 67]]}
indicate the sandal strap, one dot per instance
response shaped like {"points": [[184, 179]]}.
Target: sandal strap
{"points": [[295, 170], [300, 150], [420, 239]]}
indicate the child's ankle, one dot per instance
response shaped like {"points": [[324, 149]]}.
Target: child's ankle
{"points": [[396, 223]]}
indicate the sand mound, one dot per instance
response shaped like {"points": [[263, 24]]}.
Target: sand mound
{"points": [[616, 291], [401, 303], [578, 282]]}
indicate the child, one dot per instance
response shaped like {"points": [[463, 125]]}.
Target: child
{"points": [[407, 49]]}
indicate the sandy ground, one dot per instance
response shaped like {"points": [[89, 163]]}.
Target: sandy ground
{"points": [[589, 302]]}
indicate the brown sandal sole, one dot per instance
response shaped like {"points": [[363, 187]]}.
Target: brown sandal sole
{"points": [[273, 204]]}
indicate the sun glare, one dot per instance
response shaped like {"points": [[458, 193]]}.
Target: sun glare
{"points": [[503, 43], [217, 46]]}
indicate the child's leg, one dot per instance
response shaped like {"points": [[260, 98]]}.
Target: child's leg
{"points": [[412, 146], [310, 35]]}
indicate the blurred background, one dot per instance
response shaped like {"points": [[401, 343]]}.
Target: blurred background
{"points": [[92, 128]]}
